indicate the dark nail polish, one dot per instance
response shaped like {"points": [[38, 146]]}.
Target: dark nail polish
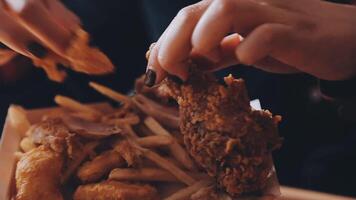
{"points": [[37, 49], [175, 79], [3, 46], [150, 78]]}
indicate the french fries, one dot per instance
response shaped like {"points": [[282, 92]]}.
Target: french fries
{"points": [[143, 174], [177, 150], [116, 96], [131, 120], [166, 164], [154, 141], [163, 114], [148, 174], [186, 192], [155, 127], [86, 116], [74, 105], [129, 131], [123, 145]]}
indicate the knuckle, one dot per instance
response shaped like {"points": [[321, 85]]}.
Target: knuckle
{"points": [[266, 27], [187, 13], [152, 56], [268, 33], [226, 6]]}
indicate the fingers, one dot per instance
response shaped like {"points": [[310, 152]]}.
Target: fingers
{"points": [[213, 26], [6, 56], [203, 30], [15, 37], [265, 41], [228, 47], [256, 49], [42, 18], [226, 16], [61, 14], [170, 54], [155, 73], [176, 45]]}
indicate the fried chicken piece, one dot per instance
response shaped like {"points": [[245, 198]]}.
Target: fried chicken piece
{"points": [[100, 166], [113, 190], [38, 175], [231, 141], [52, 132]]}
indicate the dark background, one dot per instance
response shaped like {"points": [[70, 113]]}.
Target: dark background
{"points": [[319, 147]]}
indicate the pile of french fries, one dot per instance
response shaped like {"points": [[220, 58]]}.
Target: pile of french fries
{"points": [[165, 163]]}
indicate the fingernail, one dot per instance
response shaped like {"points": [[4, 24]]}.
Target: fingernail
{"points": [[37, 49], [3, 46], [176, 79], [150, 78]]}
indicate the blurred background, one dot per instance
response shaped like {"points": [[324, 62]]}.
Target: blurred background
{"points": [[318, 151]]}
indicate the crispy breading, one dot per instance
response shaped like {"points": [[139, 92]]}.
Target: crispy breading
{"points": [[38, 175], [52, 132], [223, 134], [113, 190]]}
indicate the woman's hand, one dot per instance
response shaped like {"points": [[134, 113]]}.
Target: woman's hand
{"points": [[34, 28], [281, 36]]}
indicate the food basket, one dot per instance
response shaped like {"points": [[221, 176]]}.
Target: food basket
{"points": [[12, 136]]}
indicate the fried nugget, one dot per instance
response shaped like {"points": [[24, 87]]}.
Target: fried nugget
{"points": [[100, 166], [113, 190]]}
